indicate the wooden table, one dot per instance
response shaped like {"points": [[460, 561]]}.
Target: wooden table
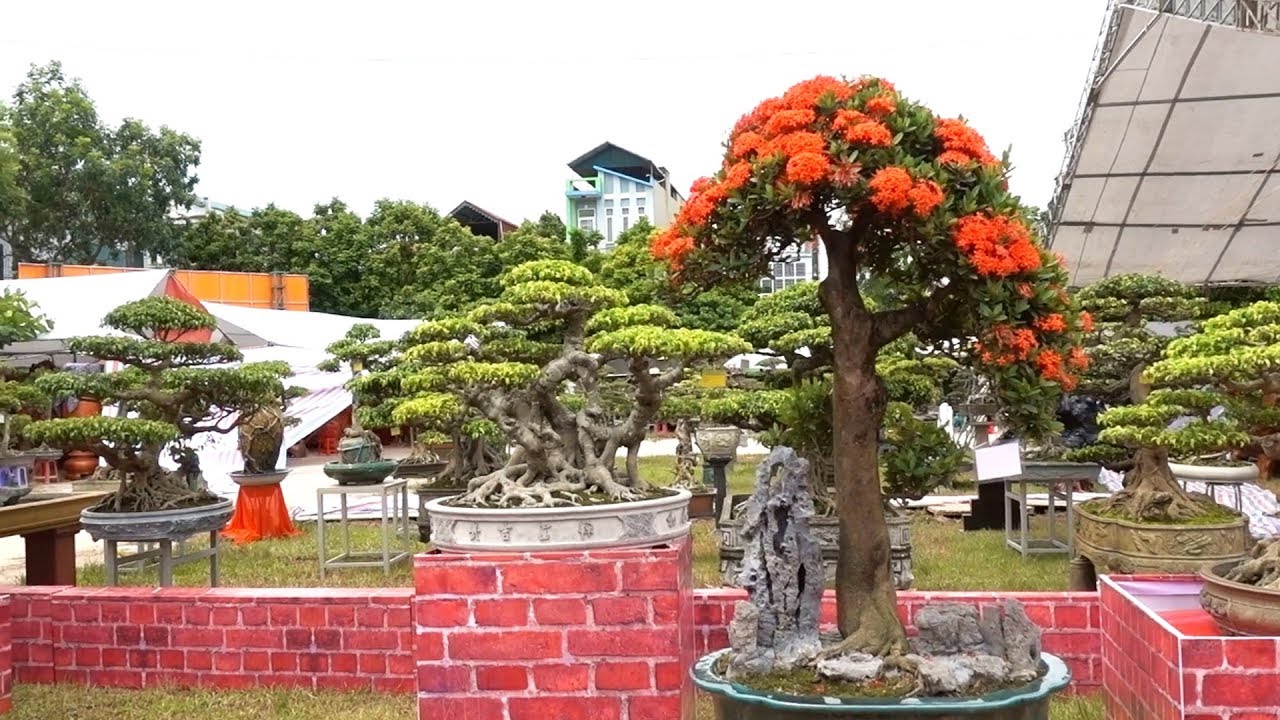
{"points": [[48, 523]]}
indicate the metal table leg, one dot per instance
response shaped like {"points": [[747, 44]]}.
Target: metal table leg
{"points": [[109, 557], [166, 562], [320, 529], [386, 541], [213, 558]]}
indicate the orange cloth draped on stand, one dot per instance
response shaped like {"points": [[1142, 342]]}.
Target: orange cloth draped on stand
{"points": [[260, 514]]}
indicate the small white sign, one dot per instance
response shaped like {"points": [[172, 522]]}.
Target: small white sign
{"points": [[998, 461]]}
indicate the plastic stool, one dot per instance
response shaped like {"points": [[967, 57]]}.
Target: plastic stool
{"points": [[45, 471]]}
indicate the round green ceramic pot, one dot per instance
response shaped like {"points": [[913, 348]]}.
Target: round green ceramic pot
{"points": [[736, 702]]}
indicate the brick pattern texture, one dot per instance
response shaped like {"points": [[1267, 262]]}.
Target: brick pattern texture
{"points": [[602, 635], [6, 657], [1071, 622], [1152, 671], [318, 638]]}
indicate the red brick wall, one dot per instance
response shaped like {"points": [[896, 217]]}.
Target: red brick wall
{"points": [[601, 636], [1070, 622], [6, 657], [222, 637], [1152, 670]]}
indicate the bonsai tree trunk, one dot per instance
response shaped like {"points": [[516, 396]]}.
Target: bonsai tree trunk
{"points": [[1151, 493], [866, 600]]}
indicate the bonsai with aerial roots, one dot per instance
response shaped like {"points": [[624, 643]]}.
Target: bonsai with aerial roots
{"points": [[170, 391], [1215, 394], [534, 363], [916, 201]]}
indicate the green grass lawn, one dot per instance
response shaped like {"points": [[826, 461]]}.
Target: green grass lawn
{"points": [[64, 702], [945, 557]]}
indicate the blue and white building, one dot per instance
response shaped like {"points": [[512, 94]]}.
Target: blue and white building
{"points": [[614, 188]]}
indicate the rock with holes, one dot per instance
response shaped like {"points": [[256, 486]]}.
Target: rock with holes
{"points": [[781, 568]]}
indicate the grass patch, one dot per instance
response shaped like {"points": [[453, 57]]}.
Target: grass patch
{"points": [[944, 556], [69, 702]]}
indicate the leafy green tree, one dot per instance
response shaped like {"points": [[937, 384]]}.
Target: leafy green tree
{"points": [[564, 450], [13, 198], [92, 191], [549, 225], [20, 321], [218, 241], [335, 259], [425, 263], [167, 396]]}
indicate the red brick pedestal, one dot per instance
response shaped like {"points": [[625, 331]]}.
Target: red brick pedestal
{"points": [[1153, 671], [603, 635], [6, 657]]}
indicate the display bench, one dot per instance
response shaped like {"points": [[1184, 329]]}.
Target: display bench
{"points": [[394, 517]]}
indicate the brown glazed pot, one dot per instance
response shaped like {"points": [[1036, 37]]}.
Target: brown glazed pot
{"points": [[78, 464]]}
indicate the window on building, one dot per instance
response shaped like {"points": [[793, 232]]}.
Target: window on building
{"points": [[639, 206], [608, 223], [625, 203], [587, 217]]}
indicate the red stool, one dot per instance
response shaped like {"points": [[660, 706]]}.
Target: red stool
{"points": [[45, 471]]}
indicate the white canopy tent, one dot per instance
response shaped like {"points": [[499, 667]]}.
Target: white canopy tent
{"points": [[1173, 166]]}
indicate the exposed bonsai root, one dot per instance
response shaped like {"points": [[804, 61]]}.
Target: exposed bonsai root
{"points": [[519, 486], [887, 642], [1263, 570], [158, 490], [1152, 494]]}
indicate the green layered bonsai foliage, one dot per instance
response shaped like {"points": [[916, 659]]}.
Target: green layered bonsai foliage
{"points": [[20, 321], [918, 456], [1214, 398], [383, 400], [535, 363], [171, 390], [1119, 340]]}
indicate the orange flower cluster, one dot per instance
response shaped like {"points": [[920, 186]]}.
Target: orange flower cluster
{"points": [[669, 245], [806, 94], [1086, 321], [785, 121], [1079, 359], [1026, 291], [893, 190], [997, 246], [1051, 323], [737, 175], [1049, 363], [807, 168], [1007, 345], [859, 129], [881, 106], [961, 144]]}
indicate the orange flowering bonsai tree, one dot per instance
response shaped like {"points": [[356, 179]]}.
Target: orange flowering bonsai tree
{"points": [[893, 192]]}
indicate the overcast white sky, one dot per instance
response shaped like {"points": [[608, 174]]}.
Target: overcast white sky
{"points": [[487, 101]]}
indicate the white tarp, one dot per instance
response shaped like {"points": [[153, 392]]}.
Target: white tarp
{"points": [[250, 327], [75, 306]]}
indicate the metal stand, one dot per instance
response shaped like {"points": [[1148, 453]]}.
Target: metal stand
{"points": [[166, 559], [1027, 545], [394, 517], [1211, 489]]}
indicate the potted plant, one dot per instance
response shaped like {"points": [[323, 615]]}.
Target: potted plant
{"points": [[918, 457], [360, 460], [561, 487], [169, 393], [893, 192]]}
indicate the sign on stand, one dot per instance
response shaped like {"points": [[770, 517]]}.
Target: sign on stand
{"points": [[995, 462]]}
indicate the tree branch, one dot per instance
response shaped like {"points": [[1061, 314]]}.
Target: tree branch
{"points": [[893, 324]]}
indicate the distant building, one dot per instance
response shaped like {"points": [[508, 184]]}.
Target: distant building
{"points": [[614, 189], [482, 222], [804, 263]]}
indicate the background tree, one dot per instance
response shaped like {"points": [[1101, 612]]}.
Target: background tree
{"points": [[896, 192], [563, 451], [92, 190], [167, 394], [13, 198]]}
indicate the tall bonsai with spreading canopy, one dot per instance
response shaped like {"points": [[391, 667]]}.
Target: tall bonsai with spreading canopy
{"points": [[899, 194], [539, 376], [167, 395], [1118, 340], [1232, 364]]}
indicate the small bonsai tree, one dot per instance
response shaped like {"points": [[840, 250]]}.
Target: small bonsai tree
{"points": [[559, 328], [1215, 393], [918, 456], [170, 392], [20, 321], [894, 192]]}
